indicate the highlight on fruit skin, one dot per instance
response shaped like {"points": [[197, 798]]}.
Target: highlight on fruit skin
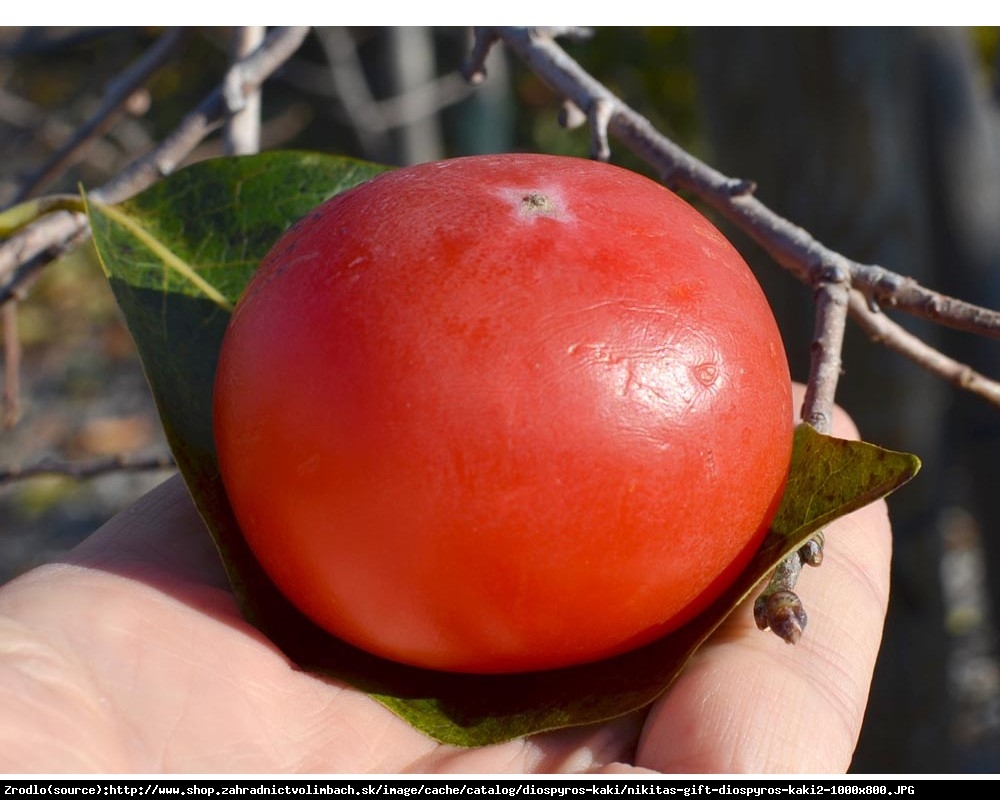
{"points": [[503, 413]]}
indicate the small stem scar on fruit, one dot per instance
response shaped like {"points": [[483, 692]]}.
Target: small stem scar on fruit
{"points": [[537, 203]]}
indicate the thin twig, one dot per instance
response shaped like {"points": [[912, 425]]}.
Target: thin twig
{"points": [[370, 115], [828, 344], [883, 330], [88, 469], [474, 68], [242, 133], [423, 101], [779, 608], [353, 93], [117, 95], [11, 364], [33, 246], [37, 244], [246, 75], [890, 290]]}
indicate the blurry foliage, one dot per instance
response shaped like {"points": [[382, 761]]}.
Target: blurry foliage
{"points": [[70, 302], [39, 496], [987, 42]]}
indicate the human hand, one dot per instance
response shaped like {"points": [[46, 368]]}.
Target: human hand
{"points": [[130, 655]]}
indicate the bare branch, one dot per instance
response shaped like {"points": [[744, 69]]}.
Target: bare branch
{"points": [[883, 330], [353, 92], [37, 244], [897, 291], [11, 364], [779, 608], [827, 346], [245, 75], [117, 95], [242, 133], [474, 68], [423, 101], [790, 245], [89, 469]]}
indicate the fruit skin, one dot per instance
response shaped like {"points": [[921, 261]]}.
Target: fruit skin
{"points": [[503, 413]]}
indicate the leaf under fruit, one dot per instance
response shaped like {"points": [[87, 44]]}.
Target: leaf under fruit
{"points": [[178, 257]]}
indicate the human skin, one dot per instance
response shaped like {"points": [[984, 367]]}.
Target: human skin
{"points": [[130, 655]]}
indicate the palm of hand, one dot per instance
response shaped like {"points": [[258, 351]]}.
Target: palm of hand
{"points": [[131, 656]]}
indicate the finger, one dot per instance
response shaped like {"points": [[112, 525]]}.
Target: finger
{"points": [[156, 663], [162, 531], [749, 703]]}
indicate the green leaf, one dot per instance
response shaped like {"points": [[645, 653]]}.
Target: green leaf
{"points": [[833, 477], [178, 257]]}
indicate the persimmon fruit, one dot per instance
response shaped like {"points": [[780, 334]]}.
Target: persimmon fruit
{"points": [[503, 413]]}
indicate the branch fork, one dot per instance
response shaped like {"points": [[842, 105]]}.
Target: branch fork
{"points": [[841, 287], [56, 230]]}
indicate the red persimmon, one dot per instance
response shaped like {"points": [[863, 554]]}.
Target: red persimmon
{"points": [[503, 413]]}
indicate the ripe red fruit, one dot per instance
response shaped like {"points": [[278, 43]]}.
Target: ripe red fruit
{"points": [[503, 413]]}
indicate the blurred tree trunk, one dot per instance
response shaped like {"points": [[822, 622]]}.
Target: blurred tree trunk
{"points": [[963, 131], [877, 142], [411, 57], [407, 62]]}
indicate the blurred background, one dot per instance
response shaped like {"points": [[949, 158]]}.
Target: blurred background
{"points": [[883, 143]]}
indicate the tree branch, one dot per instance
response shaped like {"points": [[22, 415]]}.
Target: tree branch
{"points": [[353, 92], [242, 79], [883, 330], [790, 245], [841, 285], [824, 372], [117, 95], [11, 364], [243, 127], [779, 608], [88, 469], [38, 243]]}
